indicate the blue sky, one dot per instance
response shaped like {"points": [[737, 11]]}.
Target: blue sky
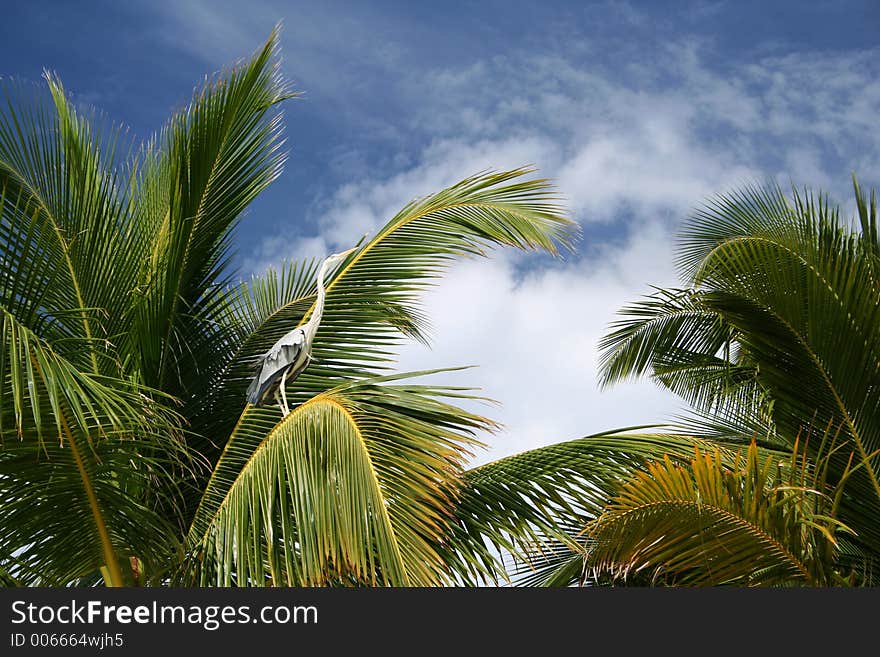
{"points": [[637, 110]]}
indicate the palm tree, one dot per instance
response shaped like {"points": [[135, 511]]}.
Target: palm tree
{"points": [[128, 454], [774, 340]]}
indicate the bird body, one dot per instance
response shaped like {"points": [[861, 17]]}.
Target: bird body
{"points": [[291, 354]]}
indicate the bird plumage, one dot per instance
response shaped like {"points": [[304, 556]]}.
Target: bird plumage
{"points": [[284, 355]]}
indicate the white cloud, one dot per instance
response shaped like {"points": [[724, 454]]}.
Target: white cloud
{"points": [[632, 154], [535, 339], [279, 248], [651, 166], [361, 207]]}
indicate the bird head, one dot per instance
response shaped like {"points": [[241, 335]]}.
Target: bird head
{"points": [[338, 257]]}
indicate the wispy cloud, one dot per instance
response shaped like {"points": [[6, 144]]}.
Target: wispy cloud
{"points": [[636, 153], [332, 52], [635, 133], [534, 340]]}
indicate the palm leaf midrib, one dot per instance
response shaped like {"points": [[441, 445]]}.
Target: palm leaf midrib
{"points": [[701, 505], [58, 231], [847, 415], [317, 399]]}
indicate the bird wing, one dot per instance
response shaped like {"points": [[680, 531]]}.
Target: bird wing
{"points": [[272, 364], [296, 338]]}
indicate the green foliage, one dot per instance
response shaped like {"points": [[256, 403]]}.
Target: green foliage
{"points": [[776, 338], [357, 485], [706, 524], [128, 453]]}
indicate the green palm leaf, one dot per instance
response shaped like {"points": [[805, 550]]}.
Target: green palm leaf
{"points": [[76, 442], [797, 292], [373, 299], [533, 507], [757, 524], [68, 251], [199, 175], [678, 338], [356, 486], [792, 279], [535, 503]]}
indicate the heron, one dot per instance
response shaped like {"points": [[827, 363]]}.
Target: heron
{"points": [[288, 357]]}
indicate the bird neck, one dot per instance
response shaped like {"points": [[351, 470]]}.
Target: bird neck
{"points": [[315, 320]]}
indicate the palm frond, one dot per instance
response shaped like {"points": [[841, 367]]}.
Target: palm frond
{"points": [[212, 159], [552, 564], [532, 508], [790, 278], [372, 300], [67, 258], [73, 470], [801, 288], [523, 505], [787, 296], [704, 524], [679, 338], [356, 486]]}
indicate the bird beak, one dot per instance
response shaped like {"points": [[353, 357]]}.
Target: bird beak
{"points": [[345, 253]]}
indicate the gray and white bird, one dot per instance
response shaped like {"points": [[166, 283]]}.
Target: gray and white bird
{"points": [[292, 353]]}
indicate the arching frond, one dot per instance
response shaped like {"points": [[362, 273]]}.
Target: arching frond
{"points": [[687, 346], [538, 501], [68, 257], [796, 290], [77, 453], [211, 160], [800, 287], [756, 524], [356, 486], [372, 299]]}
